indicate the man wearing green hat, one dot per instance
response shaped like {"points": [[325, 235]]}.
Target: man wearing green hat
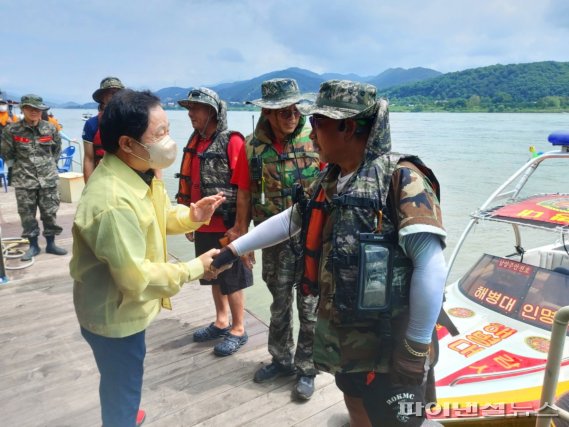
{"points": [[209, 162], [34, 145], [282, 163], [373, 244], [92, 145]]}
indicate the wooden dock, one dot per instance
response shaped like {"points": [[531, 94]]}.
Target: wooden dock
{"points": [[48, 376]]}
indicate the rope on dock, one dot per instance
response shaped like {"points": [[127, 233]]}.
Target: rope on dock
{"points": [[13, 248]]}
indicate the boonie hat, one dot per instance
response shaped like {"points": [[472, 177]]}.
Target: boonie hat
{"points": [[342, 99], [34, 101], [202, 95], [106, 84], [278, 93]]}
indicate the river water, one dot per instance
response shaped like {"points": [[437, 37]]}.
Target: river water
{"points": [[471, 154]]}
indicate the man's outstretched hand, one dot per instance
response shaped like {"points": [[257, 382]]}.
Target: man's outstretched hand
{"points": [[204, 208]]}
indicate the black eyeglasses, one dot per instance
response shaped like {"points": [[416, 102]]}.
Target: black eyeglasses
{"points": [[315, 121], [287, 114]]}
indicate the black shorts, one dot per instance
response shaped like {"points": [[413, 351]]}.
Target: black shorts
{"points": [[234, 279], [386, 404]]}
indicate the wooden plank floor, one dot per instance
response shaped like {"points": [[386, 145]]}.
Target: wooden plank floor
{"points": [[48, 375]]}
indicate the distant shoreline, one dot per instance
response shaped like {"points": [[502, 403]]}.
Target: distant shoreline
{"points": [[399, 109]]}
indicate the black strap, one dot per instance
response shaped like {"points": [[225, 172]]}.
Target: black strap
{"points": [[345, 260], [207, 155], [311, 253], [181, 176], [213, 185], [346, 200], [446, 321]]}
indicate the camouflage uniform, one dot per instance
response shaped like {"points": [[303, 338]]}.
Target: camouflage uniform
{"points": [[298, 163], [359, 346], [407, 193], [34, 150]]}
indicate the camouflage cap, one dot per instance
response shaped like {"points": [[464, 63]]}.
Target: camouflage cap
{"points": [[278, 93], [34, 101], [342, 99], [106, 84], [202, 95]]}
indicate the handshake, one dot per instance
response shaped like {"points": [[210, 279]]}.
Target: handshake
{"points": [[219, 260]]}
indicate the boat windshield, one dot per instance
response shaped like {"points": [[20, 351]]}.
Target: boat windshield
{"points": [[543, 211], [524, 292]]}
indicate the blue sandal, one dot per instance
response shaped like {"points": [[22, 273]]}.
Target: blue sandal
{"points": [[210, 332], [230, 344]]}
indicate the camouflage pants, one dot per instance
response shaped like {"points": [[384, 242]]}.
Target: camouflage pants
{"points": [[280, 274], [47, 199]]}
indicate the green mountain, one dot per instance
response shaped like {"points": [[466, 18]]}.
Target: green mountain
{"points": [[400, 76], [538, 85], [172, 94], [248, 90], [308, 81]]}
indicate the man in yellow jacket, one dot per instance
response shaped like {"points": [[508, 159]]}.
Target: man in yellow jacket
{"points": [[122, 277]]}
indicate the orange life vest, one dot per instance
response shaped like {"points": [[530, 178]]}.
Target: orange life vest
{"points": [[185, 185], [7, 118], [313, 244], [54, 122], [215, 174]]}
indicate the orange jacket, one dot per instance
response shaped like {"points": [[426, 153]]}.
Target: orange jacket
{"points": [[5, 118], [313, 245], [55, 122]]}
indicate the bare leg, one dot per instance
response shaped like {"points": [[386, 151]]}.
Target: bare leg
{"points": [[358, 414], [221, 307], [237, 306]]}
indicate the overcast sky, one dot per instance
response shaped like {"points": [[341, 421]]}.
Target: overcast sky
{"points": [[61, 49]]}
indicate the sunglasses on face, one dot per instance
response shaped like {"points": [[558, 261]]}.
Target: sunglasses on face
{"points": [[316, 121], [287, 114]]}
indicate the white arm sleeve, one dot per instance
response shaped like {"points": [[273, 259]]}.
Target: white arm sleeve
{"points": [[274, 230], [427, 283]]}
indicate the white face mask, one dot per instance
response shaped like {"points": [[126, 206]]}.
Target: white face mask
{"points": [[161, 154], [3, 108]]}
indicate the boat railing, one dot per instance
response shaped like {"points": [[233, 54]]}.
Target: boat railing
{"points": [[79, 162], [548, 408], [522, 174]]}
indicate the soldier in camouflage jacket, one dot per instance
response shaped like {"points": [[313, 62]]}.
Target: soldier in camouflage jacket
{"points": [[34, 145], [281, 158]]}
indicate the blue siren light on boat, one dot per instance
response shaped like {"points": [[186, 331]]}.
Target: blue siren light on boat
{"points": [[559, 137]]}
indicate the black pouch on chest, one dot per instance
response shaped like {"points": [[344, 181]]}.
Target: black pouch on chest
{"points": [[375, 273]]}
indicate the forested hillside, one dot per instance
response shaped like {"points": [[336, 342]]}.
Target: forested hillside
{"points": [[516, 87]]}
